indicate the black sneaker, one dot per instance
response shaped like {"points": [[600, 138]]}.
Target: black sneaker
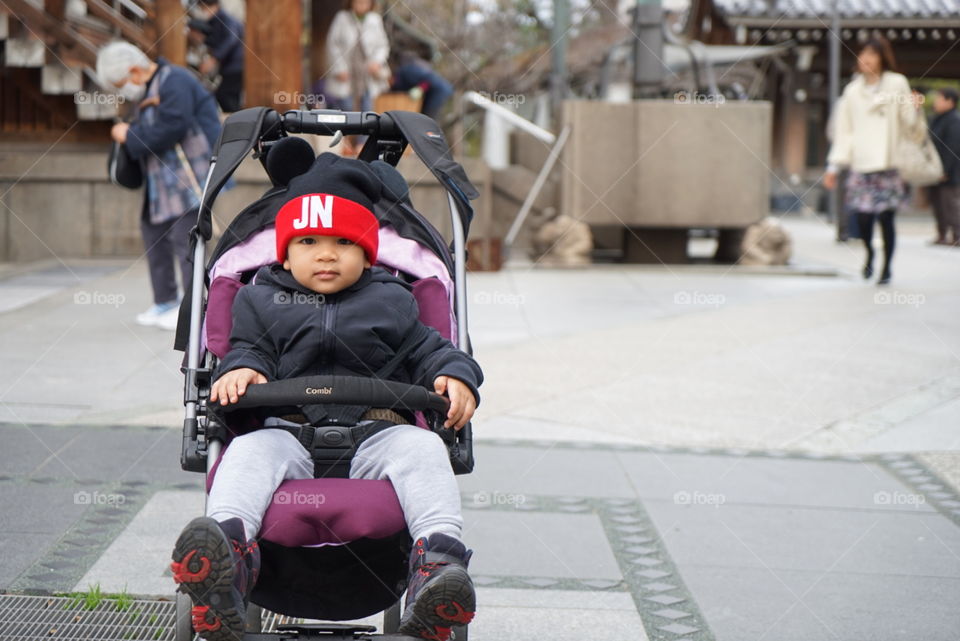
{"points": [[439, 591], [215, 566]]}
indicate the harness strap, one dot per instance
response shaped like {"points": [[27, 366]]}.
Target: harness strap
{"points": [[332, 447]]}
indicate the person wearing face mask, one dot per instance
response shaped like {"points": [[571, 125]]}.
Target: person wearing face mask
{"points": [[175, 124]]}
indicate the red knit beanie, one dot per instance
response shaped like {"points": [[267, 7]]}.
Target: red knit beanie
{"points": [[327, 215]]}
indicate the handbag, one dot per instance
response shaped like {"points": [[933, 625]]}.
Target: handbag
{"points": [[123, 170], [919, 162]]}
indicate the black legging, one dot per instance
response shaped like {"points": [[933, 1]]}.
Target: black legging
{"points": [[865, 220]]}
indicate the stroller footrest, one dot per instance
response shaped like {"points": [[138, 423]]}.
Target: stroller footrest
{"points": [[328, 631], [303, 633]]}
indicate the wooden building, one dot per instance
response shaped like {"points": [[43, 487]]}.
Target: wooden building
{"points": [[925, 35], [48, 48]]}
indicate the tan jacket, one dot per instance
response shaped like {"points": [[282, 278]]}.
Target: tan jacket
{"points": [[871, 120], [345, 35]]}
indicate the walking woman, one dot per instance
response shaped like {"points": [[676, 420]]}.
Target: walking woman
{"points": [[357, 51], [876, 111]]}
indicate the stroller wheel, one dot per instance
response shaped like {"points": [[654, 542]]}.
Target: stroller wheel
{"points": [[183, 631]]}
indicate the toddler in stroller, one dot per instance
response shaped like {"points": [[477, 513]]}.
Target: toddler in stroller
{"points": [[324, 308]]}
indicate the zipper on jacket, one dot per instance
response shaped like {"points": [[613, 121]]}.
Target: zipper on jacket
{"points": [[326, 334]]}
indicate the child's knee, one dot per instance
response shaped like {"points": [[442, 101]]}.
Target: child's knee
{"points": [[265, 442], [420, 440]]}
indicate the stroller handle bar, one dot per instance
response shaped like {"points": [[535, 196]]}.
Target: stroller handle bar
{"points": [[341, 390], [327, 122]]}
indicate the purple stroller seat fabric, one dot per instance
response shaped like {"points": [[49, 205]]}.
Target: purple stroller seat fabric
{"points": [[333, 548], [330, 511]]}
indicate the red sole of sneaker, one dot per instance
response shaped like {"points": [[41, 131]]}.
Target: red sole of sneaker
{"points": [[203, 562], [442, 605]]}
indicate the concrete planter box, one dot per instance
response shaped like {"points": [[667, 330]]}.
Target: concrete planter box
{"points": [[652, 169]]}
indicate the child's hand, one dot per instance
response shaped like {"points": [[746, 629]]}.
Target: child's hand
{"points": [[462, 401], [232, 385]]}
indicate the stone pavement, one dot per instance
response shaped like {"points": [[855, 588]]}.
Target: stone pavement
{"points": [[692, 452]]}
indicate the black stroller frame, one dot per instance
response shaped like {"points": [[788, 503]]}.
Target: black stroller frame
{"points": [[389, 134]]}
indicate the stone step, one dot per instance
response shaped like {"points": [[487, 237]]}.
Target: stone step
{"points": [[515, 183]]}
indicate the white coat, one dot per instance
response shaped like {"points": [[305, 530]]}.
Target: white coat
{"points": [[871, 121], [346, 33]]}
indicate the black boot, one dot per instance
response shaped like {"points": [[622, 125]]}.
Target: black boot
{"points": [[440, 593], [868, 266], [885, 276], [217, 567]]}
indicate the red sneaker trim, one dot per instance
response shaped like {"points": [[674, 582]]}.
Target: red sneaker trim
{"points": [[200, 623], [182, 574], [453, 611]]}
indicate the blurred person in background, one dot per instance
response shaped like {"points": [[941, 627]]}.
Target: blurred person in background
{"points": [[414, 74], [224, 41], [357, 52], [876, 110], [945, 195], [175, 124]]}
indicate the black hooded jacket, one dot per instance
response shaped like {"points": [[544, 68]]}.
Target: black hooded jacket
{"points": [[285, 330]]}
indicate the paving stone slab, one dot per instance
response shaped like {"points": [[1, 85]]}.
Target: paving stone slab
{"points": [[709, 480], [749, 603], [26, 446], [873, 542], [19, 551], [38, 508], [113, 454], [137, 558], [540, 545], [547, 471], [506, 597], [556, 624]]}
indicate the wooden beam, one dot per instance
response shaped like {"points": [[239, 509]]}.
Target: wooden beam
{"points": [[53, 31], [130, 31], [171, 31], [273, 61], [57, 9], [321, 16]]}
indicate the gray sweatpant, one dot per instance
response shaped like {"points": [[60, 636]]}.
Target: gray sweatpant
{"points": [[413, 459]]}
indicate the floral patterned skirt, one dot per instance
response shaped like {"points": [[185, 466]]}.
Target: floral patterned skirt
{"points": [[874, 192]]}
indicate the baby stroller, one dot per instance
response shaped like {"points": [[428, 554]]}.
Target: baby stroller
{"points": [[346, 558]]}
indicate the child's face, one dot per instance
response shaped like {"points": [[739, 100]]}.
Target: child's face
{"points": [[325, 264]]}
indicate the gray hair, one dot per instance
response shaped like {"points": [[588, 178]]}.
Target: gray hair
{"points": [[114, 61]]}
